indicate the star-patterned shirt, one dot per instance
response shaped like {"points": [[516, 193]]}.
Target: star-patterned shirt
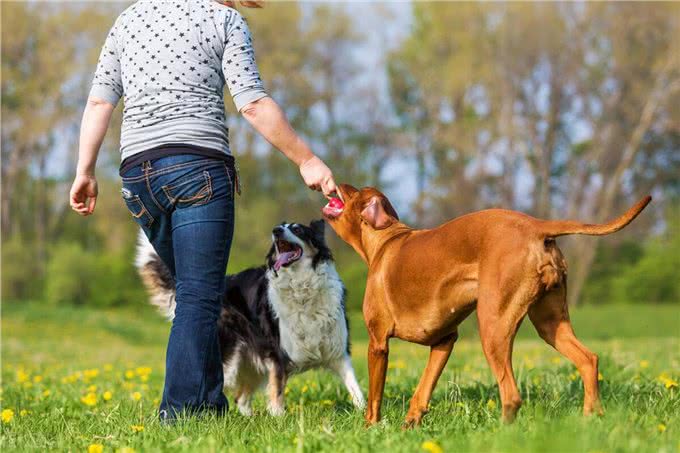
{"points": [[170, 60]]}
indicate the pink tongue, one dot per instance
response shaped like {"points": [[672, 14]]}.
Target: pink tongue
{"points": [[283, 258]]}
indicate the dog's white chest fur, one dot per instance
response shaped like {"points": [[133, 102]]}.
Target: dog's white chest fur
{"points": [[308, 305]]}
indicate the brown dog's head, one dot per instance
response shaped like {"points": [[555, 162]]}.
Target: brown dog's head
{"points": [[364, 211]]}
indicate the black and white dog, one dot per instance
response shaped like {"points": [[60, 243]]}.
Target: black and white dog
{"points": [[285, 317]]}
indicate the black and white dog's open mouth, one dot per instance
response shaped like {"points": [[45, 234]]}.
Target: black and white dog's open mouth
{"points": [[286, 253]]}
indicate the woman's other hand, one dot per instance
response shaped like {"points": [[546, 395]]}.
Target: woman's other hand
{"points": [[318, 176], [83, 196]]}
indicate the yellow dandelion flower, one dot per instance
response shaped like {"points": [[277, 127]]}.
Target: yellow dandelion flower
{"points": [[126, 450], [670, 383], [92, 388], [22, 376], [491, 405], [137, 428], [7, 415], [107, 396], [136, 396], [556, 360], [305, 388], [460, 404], [156, 401], [37, 379], [644, 363], [89, 400], [572, 376], [95, 448], [327, 402], [661, 428], [431, 446], [129, 374], [46, 393], [600, 377], [23, 413], [144, 378], [108, 367], [91, 373], [143, 370], [287, 391]]}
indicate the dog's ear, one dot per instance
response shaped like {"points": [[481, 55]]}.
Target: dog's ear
{"points": [[379, 213], [318, 227]]}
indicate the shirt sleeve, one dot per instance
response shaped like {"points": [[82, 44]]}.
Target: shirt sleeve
{"points": [[238, 63], [107, 83]]}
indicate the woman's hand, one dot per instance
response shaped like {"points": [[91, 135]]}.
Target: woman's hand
{"points": [[318, 176], [83, 197]]}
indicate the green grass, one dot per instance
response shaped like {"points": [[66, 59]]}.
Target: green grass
{"points": [[50, 349]]}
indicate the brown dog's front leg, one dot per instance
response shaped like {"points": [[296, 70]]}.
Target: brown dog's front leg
{"points": [[378, 352], [439, 355]]}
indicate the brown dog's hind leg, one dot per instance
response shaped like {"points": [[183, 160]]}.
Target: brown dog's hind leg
{"points": [[550, 316], [498, 325], [439, 355]]}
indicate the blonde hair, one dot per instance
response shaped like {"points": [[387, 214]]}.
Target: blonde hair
{"points": [[245, 3]]}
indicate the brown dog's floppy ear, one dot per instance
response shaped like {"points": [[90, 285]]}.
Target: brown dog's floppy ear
{"points": [[379, 213]]}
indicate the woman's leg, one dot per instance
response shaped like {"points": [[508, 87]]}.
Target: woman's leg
{"points": [[202, 228]]}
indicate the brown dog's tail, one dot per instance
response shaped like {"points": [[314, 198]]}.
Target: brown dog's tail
{"points": [[554, 228]]}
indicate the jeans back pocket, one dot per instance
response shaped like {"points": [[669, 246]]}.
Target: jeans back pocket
{"points": [[194, 190], [139, 212]]}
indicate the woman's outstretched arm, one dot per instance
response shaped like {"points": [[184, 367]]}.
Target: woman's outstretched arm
{"points": [[268, 119]]}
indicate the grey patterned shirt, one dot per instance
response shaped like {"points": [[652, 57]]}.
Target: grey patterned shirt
{"points": [[170, 60]]}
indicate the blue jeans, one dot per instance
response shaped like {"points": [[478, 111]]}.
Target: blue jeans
{"points": [[185, 206]]}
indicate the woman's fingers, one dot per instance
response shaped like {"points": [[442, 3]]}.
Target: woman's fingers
{"points": [[329, 187], [92, 203]]}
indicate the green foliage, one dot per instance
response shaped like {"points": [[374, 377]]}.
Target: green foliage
{"points": [[21, 270], [655, 276], [80, 277], [633, 272]]}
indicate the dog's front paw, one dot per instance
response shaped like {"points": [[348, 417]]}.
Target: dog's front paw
{"points": [[359, 402], [245, 409], [276, 410]]}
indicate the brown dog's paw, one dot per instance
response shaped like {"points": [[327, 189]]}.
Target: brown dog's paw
{"points": [[410, 423], [370, 421], [596, 409]]}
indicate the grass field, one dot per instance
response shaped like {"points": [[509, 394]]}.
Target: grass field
{"points": [[77, 378]]}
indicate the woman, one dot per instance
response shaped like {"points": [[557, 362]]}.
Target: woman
{"points": [[170, 61]]}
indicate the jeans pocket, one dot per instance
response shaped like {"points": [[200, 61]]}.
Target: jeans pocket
{"points": [[137, 209], [194, 190]]}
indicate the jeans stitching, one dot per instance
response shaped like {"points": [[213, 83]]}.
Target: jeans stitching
{"points": [[153, 198], [197, 196], [164, 170], [149, 217]]}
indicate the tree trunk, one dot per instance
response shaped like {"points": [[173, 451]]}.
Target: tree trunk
{"points": [[662, 89]]}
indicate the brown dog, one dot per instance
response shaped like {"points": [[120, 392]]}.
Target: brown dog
{"points": [[423, 283]]}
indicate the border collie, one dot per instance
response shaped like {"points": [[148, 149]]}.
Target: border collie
{"points": [[282, 318]]}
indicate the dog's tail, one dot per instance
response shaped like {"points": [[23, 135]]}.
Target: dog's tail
{"points": [[156, 277], [554, 228]]}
